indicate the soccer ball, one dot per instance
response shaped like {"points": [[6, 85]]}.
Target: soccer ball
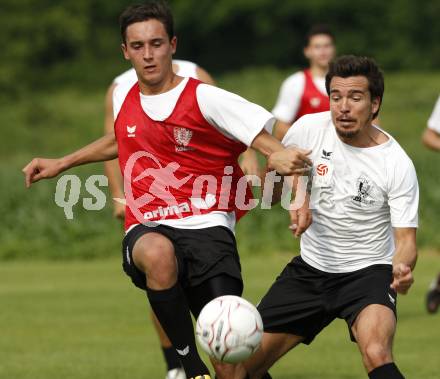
{"points": [[229, 329]]}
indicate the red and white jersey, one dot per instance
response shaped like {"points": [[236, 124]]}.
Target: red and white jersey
{"points": [[434, 120], [186, 69], [179, 152], [301, 94]]}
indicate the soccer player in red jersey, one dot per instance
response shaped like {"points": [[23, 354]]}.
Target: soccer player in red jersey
{"points": [[179, 246], [304, 92]]}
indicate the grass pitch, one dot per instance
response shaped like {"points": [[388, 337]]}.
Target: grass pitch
{"points": [[84, 320]]}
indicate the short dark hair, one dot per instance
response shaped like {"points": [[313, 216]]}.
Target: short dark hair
{"points": [[316, 30], [351, 65], [158, 10]]}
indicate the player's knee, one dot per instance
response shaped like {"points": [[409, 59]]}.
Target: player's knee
{"points": [[154, 254], [376, 355]]}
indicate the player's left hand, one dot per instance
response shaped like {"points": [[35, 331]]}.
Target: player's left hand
{"points": [[300, 220], [402, 278]]}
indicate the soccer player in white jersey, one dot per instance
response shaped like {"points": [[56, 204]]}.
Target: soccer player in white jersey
{"points": [[184, 255], [129, 78], [431, 139], [304, 91], [360, 250]]}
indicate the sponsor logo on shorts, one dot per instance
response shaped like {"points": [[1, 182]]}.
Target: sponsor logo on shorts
{"points": [[184, 351], [392, 299]]}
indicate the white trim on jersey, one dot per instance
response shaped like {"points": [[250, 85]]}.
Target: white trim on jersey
{"points": [[289, 98], [358, 196]]}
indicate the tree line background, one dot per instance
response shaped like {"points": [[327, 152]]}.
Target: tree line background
{"points": [[48, 44]]}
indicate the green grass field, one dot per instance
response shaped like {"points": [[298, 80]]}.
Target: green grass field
{"points": [[84, 320]]}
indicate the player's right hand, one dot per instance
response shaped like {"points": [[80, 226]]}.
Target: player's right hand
{"points": [[41, 168], [290, 161]]}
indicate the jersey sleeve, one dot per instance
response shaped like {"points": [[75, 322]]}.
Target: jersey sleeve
{"points": [[434, 120], [403, 195], [119, 94], [296, 136], [234, 116], [289, 98]]}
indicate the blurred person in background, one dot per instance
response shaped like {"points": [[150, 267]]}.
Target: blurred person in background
{"points": [[431, 139], [304, 92]]}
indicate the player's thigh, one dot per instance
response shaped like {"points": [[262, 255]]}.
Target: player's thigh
{"points": [[375, 327], [153, 250], [273, 347], [211, 288]]}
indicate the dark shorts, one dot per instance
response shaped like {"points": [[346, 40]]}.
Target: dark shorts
{"points": [[201, 253], [304, 300]]}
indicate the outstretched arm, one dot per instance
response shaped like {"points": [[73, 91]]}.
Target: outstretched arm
{"points": [[102, 149], [285, 161]]}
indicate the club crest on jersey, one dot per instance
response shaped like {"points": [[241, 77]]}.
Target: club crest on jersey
{"points": [[182, 136], [368, 194], [131, 130], [315, 102]]}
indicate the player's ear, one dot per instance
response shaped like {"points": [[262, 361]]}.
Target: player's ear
{"points": [[124, 51], [173, 43], [375, 104]]}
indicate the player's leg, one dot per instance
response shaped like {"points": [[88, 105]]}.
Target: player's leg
{"points": [[202, 294], [150, 260], [174, 367], [433, 296], [374, 330], [273, 347]]}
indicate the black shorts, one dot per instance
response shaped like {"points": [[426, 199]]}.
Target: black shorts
{"points": [[304, 300], [201, 253]]}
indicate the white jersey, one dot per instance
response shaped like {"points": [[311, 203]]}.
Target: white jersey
{"points": [[289, 97], [358, 196], [434, 120], [232, 115], [186, 69]]}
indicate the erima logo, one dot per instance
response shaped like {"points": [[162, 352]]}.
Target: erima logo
{"points": [[326, 154], [392, 299], [131, 130], [183, 352]]}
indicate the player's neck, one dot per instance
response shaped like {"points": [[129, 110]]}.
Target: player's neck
{"points": [[368, 136], [167, 84], [318, 71]]}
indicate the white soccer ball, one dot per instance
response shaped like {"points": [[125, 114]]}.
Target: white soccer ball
{"points": [[229, 329]]}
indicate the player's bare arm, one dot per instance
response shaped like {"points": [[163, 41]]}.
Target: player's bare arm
{"points": [[431, 139], [103, 149], [111, 168], [249, 162], [405, 257], [280, 129], [285, 161], [204, 76]]}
